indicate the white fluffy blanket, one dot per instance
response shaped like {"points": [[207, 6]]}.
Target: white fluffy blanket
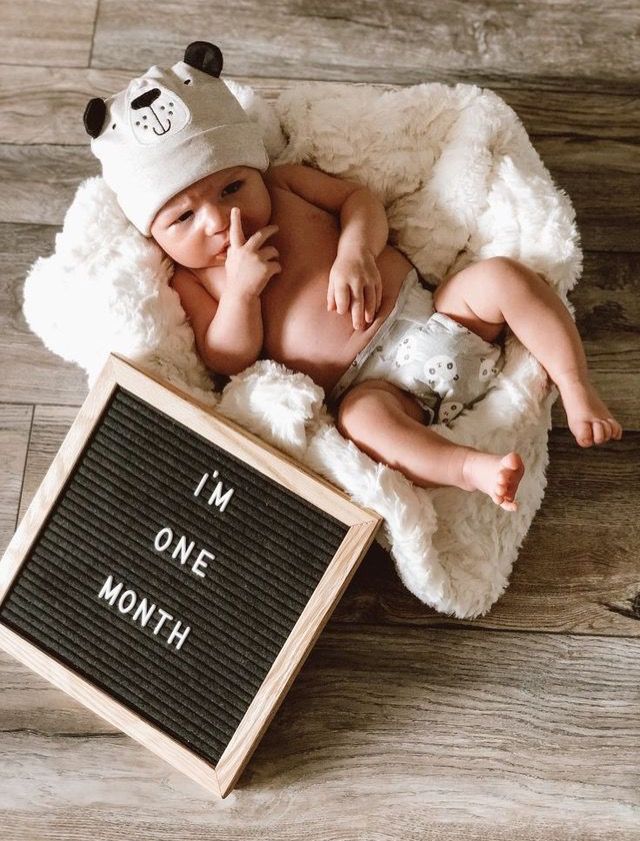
{"points": [[460, 181]]}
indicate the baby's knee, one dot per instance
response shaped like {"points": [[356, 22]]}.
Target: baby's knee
{"points": [[508, 268], [371, 401], [354, 408]]}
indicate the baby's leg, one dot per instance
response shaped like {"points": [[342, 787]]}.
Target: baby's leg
{"points": [[489, 293], [386, 423]]}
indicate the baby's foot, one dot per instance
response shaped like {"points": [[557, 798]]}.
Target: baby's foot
{"points": [[589, 419], [496, 475]]}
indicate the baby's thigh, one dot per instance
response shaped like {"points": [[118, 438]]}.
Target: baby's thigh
{"points": [[467, 297]]}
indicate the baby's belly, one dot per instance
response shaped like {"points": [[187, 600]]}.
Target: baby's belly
{"points": [[302, 334]]}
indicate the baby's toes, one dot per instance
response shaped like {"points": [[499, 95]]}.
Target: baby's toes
{"points": [[584, 434], [509, 476], [601, 431], [598, 432], [616, 429], [502, 485]]}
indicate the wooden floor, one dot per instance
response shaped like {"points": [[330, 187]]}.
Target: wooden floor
{"points": [[403, 724]]}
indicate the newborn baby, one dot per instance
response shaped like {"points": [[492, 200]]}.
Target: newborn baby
{"points": [[291, 264]]}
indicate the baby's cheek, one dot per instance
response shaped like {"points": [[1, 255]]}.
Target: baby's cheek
{"points": [[185, 252]]}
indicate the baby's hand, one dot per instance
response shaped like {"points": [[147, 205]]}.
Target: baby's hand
{"points": [[250, 264], [355, 279]]}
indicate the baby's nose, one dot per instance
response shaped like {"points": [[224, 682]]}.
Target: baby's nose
{"points": [[216, 221], [212, 228]]}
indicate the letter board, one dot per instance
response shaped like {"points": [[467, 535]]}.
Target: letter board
{"points": [[173, 571]]}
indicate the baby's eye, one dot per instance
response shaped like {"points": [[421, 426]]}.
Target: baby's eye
{"points": [[184, 216], [233, 184]]}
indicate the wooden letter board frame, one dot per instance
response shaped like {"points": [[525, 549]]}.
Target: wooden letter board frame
{"points": [[362, 524]]}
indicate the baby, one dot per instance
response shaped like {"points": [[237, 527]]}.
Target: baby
{"points": [[291, 264]]}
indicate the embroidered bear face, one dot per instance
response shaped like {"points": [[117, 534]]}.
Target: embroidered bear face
{"points": [[155, 112], [441, 372]]}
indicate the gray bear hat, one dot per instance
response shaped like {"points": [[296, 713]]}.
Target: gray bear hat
{"points": [[167, 130]]}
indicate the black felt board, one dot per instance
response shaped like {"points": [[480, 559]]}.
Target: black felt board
{"points": [[136, 475]]}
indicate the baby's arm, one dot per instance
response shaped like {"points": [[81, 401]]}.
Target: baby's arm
{"points": [[228, 333]]}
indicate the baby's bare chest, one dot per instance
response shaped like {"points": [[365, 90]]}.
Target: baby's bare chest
{"points": [[307, 243], [294, 302], [298, 329], [295, 299]]}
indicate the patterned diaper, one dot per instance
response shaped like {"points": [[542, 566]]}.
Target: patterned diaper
{"points": [[444, 365]]}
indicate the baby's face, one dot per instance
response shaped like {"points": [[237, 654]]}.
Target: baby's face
{"points": [[193, 226]]}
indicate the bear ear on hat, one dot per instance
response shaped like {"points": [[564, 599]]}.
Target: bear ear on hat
{"points": [[94, 115], [204, 56]]}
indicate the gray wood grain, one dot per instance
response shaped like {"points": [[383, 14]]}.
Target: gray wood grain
{"points": [[45, 105], [15, 425], [588, 48], [47, 32], [386, 733]]}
